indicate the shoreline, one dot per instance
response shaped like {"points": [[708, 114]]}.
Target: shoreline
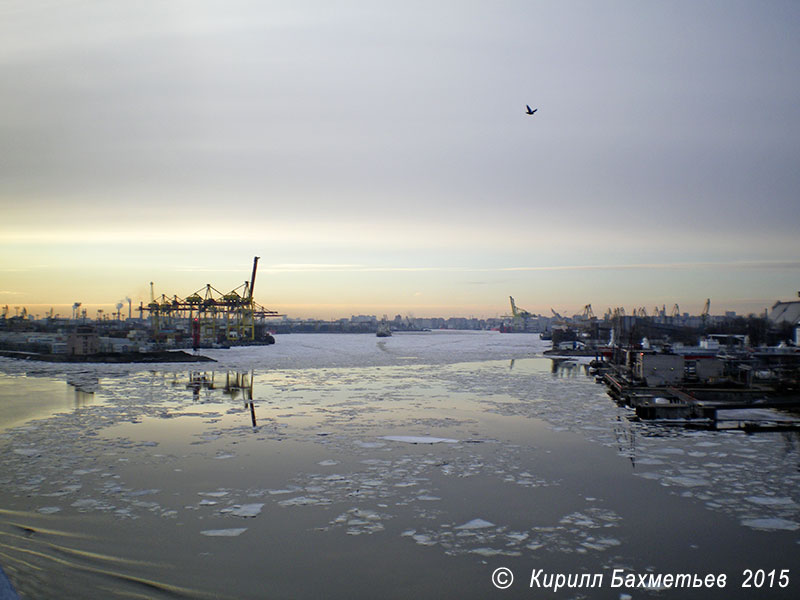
{"points": [[160, 356]]}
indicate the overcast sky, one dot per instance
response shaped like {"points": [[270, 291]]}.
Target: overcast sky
{"points": [[378, 157]]}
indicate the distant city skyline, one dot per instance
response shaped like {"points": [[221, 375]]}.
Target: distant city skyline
{"points": [[379, 158], [299, 312]]}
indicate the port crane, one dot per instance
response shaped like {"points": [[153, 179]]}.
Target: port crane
{"points": [[518, 312], [588, 313], [706, 311], [230, 316], [519, 315]]}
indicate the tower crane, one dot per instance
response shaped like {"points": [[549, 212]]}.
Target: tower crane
{"points": [[676, 311]]}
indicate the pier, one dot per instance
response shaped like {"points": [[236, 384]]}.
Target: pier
{"points": [[671, 389]]}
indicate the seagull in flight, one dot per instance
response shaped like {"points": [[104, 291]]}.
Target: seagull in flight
{"points": [[530, 111]]}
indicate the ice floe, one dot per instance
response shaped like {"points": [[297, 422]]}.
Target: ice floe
{"points": [[475, 524], [27, 451], [771, 501], [243, 510], [233, 532], [49, 510], [772, 524], [410, 439]]}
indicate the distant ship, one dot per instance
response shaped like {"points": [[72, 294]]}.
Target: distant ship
{"points": [[384, 330]]}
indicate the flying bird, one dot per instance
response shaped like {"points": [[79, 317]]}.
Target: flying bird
{"points": [[530, 111]]}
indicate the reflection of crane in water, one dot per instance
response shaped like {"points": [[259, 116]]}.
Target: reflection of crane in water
{"points": [[200, 381], [238, 382]]}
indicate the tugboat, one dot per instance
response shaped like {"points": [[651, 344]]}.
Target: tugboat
{"points": [[383, 330]]}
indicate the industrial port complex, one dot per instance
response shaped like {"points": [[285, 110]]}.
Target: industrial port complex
{"points": [[209, 318]]}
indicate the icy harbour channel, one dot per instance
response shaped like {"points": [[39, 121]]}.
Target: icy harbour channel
{"points": [[410, 466]]}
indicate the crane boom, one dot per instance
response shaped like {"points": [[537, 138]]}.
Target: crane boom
{"points": [[253, 277], [513, 306]]}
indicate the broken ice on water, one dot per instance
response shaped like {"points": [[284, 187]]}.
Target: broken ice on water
{"points": [[581, 533], [716, 468], [373, 464]]}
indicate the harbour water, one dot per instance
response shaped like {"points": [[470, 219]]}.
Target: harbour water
{"points": [[346, 466]]}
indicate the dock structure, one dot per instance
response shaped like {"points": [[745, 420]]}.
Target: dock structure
{"points": [[713, 393]]}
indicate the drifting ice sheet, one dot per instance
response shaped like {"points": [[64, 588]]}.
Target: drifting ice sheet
{"points": [[410, 439], [771, 524], [475, 524], [244, 510], [224, 532]]}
